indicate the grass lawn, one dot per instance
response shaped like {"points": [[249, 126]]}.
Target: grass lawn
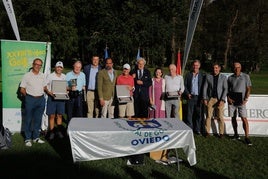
{"points": [[216, 158]]}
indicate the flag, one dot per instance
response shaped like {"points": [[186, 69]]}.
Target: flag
{"points": [[179, 63], [12, 17], [106, 55], [179, 73], [138, 54], [195, 9]]}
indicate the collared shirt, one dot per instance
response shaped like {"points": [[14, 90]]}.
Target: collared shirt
{"points": [[81, 79], [111, 74], [174, 83], [54, 76], [34, 84], [195, 85], [92, 78], [239, 83], [125, 80]]}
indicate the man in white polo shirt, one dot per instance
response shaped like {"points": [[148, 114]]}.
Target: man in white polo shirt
{"points": [[32, 87]]}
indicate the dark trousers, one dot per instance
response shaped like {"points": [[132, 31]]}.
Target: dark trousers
{"points": [[193, 119], [74, 107], [141, 106], [34, 110]]}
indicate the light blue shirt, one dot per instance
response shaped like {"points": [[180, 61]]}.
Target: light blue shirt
{"points": [[111, 75], [195, 85], [81, 79], [92, 78]]}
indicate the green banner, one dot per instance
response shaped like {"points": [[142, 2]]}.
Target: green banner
{"points": [[17, 58]]}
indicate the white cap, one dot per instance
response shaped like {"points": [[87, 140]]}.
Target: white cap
{"points": [[127, 66], [59, 64]]}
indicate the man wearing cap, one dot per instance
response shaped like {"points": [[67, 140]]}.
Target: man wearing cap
{"points": [[91, 71], [55, 108], [32, 87], [76, 81], [126, 79]]}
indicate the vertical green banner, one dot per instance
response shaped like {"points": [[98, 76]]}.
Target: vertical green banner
{"points": [[17, 57]]}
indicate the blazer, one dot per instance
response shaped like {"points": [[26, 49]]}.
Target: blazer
{"points": [[86, 70], [143, 90], [106, 87], [222, 87], [188, 84]]}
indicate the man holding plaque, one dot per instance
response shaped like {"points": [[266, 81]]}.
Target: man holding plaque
{"points": [[239, 86], [76, 81]]}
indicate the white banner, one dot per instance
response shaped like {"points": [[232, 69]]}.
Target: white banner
{"points": [[195, 10], [257, 115], [94, 139], [12, 17]]}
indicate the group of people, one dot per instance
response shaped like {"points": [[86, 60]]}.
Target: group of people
{"points": [[211, 92], [160, 94]]}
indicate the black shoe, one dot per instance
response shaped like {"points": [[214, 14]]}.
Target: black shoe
{"points": [[236, 137], [248, 141], [60, 135], [197, 133], [221, 136], [207, 135], [51, 135]]}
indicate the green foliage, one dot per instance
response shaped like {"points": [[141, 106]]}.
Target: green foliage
{"points": [[78, 29]]}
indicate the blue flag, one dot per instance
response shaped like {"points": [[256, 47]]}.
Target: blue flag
{"points": [[106, 55], [138, 54]]}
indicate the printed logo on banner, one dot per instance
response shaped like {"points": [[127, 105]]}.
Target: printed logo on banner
{"points": [[138, 124], [142, 136]]}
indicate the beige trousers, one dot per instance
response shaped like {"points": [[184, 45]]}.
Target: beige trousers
{"points": [[92, 105], [213, 103]]}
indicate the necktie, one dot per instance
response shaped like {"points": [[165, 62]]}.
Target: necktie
{"points": [[140, 74]]}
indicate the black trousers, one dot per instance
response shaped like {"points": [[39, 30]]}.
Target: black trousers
{"points": [[74, 107]]}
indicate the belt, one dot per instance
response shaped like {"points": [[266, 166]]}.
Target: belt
{"points": [[35, 96], [90, 90]]}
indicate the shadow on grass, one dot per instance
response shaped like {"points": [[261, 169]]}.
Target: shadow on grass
{"points": [[36, 162], [63, 148]]}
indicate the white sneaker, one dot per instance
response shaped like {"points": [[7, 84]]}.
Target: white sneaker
{"points": [[38, 140], [161, 162], [28, 143], [172, 160], [128, 162]]}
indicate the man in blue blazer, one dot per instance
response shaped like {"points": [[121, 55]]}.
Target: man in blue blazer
{"points": [[91, 71], [194, 82], [214, 95]]}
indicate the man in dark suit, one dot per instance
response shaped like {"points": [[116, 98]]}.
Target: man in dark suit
{"points": [[143, 80], [193, 83], [91, 71]]}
